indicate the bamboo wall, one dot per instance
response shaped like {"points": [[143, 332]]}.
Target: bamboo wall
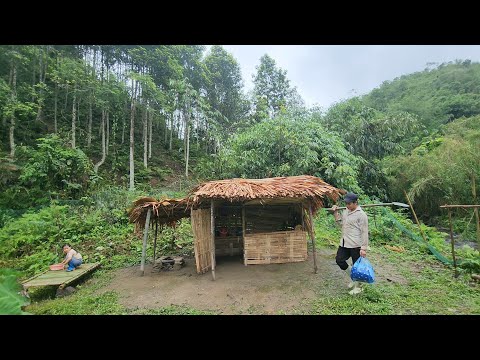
{"points": [[275, 247], [202, 242]]}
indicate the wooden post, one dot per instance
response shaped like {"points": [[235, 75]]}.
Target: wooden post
{"points": [[145, 235], [243, 232], [155, 242], [212, 250], [415, 215], [452, 241], [303, 220], [313, 239], [475, 209]]}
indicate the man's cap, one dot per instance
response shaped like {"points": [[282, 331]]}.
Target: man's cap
{"points": [[351, 197]]}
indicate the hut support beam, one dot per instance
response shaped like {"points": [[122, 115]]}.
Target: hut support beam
{"points": [[243, 233], [145, 236], [155, 242], [312, 236], [212, 250], [452, 242]]}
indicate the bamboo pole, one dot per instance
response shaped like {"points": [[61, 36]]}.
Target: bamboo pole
{"points": [[243, 233], [459, 206], [452, 241], [415, 215], [475, 210], [145, 235], [155, 241], [312, 237], [303, 220], [374, 205], [212, 250]]}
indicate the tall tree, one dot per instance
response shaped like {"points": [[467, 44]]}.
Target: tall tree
{"points": [[223, 86], [271, 82]]}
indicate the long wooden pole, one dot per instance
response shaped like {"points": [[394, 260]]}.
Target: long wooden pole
{"points": [[155, 242], [415, 215], [459, 206], [243, 233], [312, 237], [212, 250], [373, 205], [452, 241], [474, 193], [145, 235]]}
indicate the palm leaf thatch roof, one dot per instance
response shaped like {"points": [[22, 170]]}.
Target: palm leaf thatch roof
{"points": [[305, 187], [310, 190], [166, 211]]}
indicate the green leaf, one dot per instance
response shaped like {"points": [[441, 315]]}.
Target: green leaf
{"points": [[10, 299]]}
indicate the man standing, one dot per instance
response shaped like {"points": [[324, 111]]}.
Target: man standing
{"points": [[354, 241]]}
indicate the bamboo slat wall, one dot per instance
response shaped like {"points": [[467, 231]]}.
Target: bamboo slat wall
{"points": [[201, 228], [275, 247]]}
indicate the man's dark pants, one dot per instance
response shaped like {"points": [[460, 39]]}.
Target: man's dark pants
{"points": [[343, 254]]}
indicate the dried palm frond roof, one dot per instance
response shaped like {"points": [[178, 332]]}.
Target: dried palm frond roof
{"points": [[310, 189], [306, 187], [167, 211]]}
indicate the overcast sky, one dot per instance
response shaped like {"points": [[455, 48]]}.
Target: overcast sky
{"points": [[324, 74]]}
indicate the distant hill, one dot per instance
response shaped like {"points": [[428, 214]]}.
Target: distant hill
{"points": [[437, 95]]}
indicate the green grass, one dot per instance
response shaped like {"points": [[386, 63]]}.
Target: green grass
{"points": [[430, 289], [87, 301], [429, 286]]}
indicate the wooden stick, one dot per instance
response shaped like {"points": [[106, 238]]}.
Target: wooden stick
{"points": [[373, 205], [452, 241], [312, 236], [243, 233], [474, 193], [145, 235], [415, 215], [212, 250], [460, 206], [155, 241]]}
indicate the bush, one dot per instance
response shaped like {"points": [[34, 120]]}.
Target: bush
{"points": [[56, 169]]}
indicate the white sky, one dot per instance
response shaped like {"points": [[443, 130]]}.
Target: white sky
{"points": [[324, 74]]}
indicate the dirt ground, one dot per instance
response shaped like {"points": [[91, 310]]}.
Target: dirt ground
{"points": [[238, 289]]}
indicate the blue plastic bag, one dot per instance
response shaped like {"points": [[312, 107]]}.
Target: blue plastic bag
{"points": [[362, 271]]}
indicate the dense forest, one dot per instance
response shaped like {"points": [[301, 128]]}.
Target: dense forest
{"points": [[86, 129]]}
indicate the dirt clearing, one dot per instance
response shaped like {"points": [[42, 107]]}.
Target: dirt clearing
{"points": [[238, 289]]}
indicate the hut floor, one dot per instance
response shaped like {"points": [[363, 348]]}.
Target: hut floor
{"points": [[238, 289]]}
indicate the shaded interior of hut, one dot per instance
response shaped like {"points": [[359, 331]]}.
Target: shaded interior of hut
{"points": [[229, 226]]}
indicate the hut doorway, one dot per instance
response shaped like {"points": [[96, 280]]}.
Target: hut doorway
{"points": [[229, 232]]}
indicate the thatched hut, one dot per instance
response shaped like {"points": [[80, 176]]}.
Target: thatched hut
{"points": [[264, 221]]}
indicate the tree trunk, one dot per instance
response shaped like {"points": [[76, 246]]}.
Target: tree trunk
{"points": [[66, 99], [89, 126], [40, 92], [150, 128], [132, 141], [145, 137], [55, 106], [165, 134], [104, 153], [124, 126], [187, 139], [108, 131], [34, 73], [78, 113], [171, 131], [12, 117], [74, 116]]}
